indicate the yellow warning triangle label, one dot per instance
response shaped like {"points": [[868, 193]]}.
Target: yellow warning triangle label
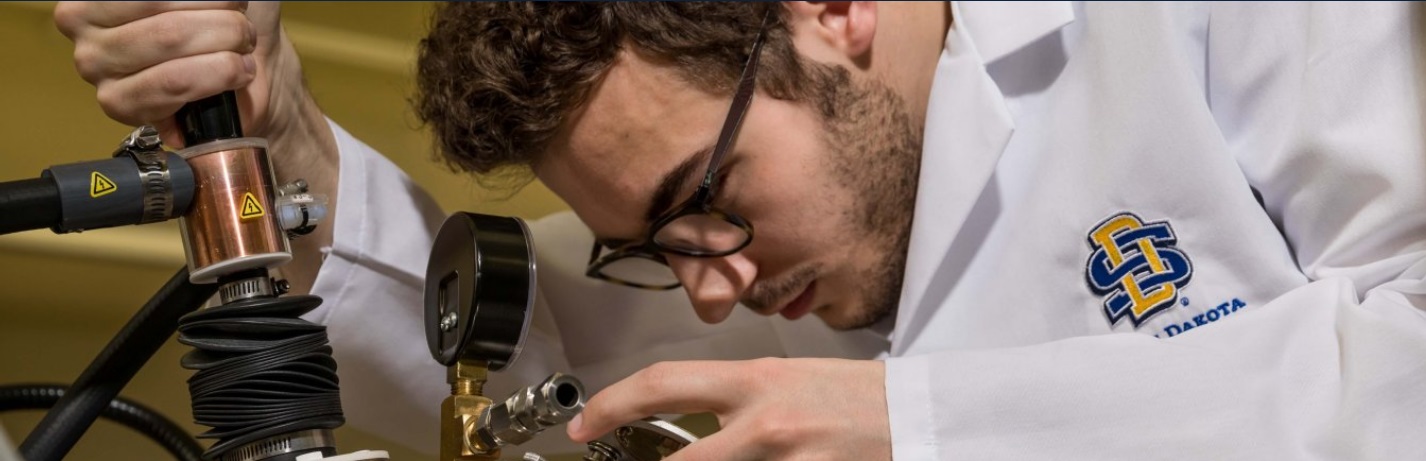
{"points": [[100, 186], [251, 208]]}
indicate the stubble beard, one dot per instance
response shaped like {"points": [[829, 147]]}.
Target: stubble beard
{"points": [[876, 155]]}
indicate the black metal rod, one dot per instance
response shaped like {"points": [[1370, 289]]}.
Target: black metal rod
{"points": [[145, 333], [29, 204]]}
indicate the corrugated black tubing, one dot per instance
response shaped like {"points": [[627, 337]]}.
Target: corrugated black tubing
{"points": [[128, 413], [262, 371]]}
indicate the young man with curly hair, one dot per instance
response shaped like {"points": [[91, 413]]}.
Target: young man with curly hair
{"points": [[1090, 231]]}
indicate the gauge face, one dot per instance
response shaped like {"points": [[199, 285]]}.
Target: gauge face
{"points": [[480, 284]]}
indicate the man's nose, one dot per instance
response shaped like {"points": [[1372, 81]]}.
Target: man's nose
{"points": [[714, 285]]}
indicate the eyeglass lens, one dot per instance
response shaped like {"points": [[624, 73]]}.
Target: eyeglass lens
{"points": [[701, 233], [641, 270]]}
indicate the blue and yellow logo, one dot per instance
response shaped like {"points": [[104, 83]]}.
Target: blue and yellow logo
{"points": [[1135, 266]]}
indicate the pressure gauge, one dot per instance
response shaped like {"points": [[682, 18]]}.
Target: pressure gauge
{"points": [[480, 289]]}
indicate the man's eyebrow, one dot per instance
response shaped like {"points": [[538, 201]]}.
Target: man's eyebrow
{"points": [[673, 182]]}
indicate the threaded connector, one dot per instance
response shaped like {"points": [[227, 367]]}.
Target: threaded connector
{"points": [[531, 410]]}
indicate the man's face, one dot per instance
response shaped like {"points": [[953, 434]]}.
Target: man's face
{"points": [[828, 185]]}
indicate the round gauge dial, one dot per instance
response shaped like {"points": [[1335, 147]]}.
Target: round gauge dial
{"points": [[480, 289]]}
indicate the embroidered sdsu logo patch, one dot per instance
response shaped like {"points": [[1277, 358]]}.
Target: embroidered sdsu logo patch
{"points": [[1135, 267]]}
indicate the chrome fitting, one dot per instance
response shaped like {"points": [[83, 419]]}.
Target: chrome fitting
{"points": [[531, 410]]}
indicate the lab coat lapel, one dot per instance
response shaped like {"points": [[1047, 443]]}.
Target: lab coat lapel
{"points": [[967, 128], [1001, 28]]}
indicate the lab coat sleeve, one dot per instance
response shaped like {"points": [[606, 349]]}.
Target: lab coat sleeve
{"points": [[371, 283], [1322, 104]]}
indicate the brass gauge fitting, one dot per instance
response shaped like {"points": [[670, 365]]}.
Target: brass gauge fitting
{"points": [[461, 411]]}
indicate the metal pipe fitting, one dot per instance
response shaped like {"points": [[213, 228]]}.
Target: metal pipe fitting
{"points": [[531, 410], [461, 410]]}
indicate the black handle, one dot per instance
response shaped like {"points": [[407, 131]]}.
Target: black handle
{"points": [[210, 119]]}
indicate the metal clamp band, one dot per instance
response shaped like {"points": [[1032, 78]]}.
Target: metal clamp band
{"points": [[282, 444], [144, 146], [253, 287]]}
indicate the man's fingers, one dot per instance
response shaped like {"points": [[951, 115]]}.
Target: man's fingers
{"points": [[147, 59], [667, 387], [120, 51], [156, 93], [74, 18]]}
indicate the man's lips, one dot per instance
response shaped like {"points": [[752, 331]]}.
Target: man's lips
{"points": [[800, 305]]}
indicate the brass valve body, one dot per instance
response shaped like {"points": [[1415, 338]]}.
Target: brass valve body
{"points": [[461, 411]]}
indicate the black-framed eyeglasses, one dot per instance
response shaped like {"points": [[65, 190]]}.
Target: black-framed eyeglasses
{"points": [[695, 227]]}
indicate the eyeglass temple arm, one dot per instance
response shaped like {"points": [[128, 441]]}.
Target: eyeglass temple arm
{"points": [[741, 98]]}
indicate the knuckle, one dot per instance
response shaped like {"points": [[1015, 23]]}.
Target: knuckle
{"points": [[168, 35], [236, 26], [68, 17], [173, 83], [108, 98], [114, 104], [87, 62], [775, 430]]}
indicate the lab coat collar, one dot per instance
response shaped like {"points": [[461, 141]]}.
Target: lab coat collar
{"points": [[967, 127], [1001, 28]]}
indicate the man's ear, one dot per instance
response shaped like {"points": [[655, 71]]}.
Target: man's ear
{"points": [[834, 31]]}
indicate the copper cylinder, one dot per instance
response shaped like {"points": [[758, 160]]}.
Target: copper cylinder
{"points": [[233, 223]]}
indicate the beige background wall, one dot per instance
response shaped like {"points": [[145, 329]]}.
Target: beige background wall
{"points": [[63, 297]]}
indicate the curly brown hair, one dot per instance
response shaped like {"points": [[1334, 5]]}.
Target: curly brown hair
{"points": [[497, 80]]}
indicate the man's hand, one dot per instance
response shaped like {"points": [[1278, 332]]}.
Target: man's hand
{"points": [[769, 409], [147, 59]]}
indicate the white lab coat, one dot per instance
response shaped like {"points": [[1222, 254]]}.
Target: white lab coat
{"points": [[1142, 231]]}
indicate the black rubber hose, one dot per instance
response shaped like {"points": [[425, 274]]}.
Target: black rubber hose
{"points": [[148, 330], [126, 412], [29, 204]]}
